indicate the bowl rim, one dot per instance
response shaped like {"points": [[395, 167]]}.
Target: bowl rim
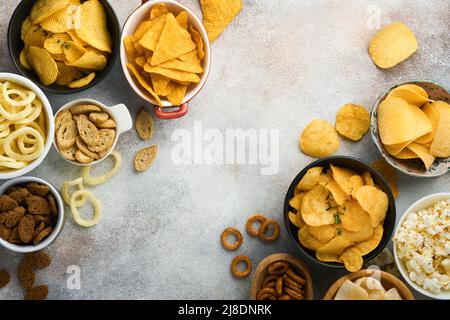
{"points": [[206, 60], [99, 76], [27, 83], [373, 125], [288, 224], [59, 224], [420, 204]]}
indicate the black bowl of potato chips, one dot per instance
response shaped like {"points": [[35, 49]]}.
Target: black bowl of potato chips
{"points": [[64, 46], [340, 212]]}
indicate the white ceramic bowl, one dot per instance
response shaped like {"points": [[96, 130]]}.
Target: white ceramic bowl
{"points": [[119, 113], [59, 223], [138, 16], [417, 206], [14, 78]]}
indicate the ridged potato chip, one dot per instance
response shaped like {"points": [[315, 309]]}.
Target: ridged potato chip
{"points": [[307, 240], [316, 209], [93, 28], [67, 74], [367, 246], [43, 64], [352, 259], [375, 202], [331, 251], [217, 14], [24, 60], [319, 139], [43, 9], [177, 94], [411, 93], [54, 43], [310, 179], [176, 75], [441, 143], [154, 30], [83, 81], [73, 52], [36, 36], [63, 20], [26, 24], [90, 60], [423, 153], [75, 38], [392, 45], [352, 121], [388, 173], [143, 83]]}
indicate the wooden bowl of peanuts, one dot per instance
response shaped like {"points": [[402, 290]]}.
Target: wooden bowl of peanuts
{"points": [[282, 277]]}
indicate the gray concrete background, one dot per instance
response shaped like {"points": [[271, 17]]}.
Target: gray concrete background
{"points": [[278, 65]]}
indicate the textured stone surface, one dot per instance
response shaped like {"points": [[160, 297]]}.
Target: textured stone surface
{"points": [[281, 63]]}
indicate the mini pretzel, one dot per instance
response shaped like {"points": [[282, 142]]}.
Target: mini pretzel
{"points": [[235, 263], [278, 268], [249, 226], [231, 246], [269, 279], [295, 277], [279, 287], [294, 294], [266, 294], [288, 282], [265, 226]]}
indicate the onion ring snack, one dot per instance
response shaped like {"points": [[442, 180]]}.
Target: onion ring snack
{"points": [[93, 181], [250, 228], [228, 245], [265, 227], [76, 214], [248, 267]]}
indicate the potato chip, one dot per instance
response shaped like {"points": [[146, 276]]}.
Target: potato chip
{"points": [[366, 232], [177, 94], [307, 240], [367, 246], [296, 201], [433, 116], [411, 93], [63, 20], [319, 139], [151, 37], [173, 42], [354, 183], [315, 209], [160, 84], [441, 143], [43, 64], [352, 121], [375, 202], [406, 154], [54, 43], [67, 74], [396, 121], [144, 83], [36, 36], [293, 218], [177, 64], [423, 153], [367, 178], [351, 291], [93, 28], [83, 81], [352, 216], [73, 52], [26, 24], [337, 193], [342, 177], [217, 14], [323, 233], [324, 178], [91, 60], [75, 38], [331, 251], [198, 40], [158, 10], [24, 60], [176, 75], [352, 259], [388, 173], [43, 9], [392, 45], [310, 179], [423, 124], [183, 19]]}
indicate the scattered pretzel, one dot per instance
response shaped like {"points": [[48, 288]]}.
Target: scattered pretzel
{"points": [[249, 226], [224, 238], [234, 266], [265, 227]]}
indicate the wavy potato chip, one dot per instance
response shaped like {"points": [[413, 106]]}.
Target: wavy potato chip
{"points": [[43, 9], [24, 60], [351, 291], [411, 93], [173, 42], [352, 259], [392, 45], [310, 179], [54, 43], [177, 94], [93, 26], [375, 202], [43, 64], [307, 240], [143, 83], [367, 246], [67, 74], [36, 36], [337, 193], [324, 233], [63, 20], [83, 81], [176, 75], [73, 52], [90, 60], [75, 38], [315, 208], [388, 173], [154, 30], [26, 24], [319, 139], [440, 146], [352, 121], [342, 177], [217, 14], [423, 153], [331, 251]]}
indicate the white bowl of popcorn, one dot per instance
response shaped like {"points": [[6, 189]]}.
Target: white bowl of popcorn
{"points": [[422, 246]]}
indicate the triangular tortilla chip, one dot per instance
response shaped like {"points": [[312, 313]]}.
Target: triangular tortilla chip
{"points": [[153, 33], [160, 84], [217, 14], [181, 65], [176, 96], [144, 83]]}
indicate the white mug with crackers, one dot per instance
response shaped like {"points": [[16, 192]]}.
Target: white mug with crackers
{"points": [[86, 130]]}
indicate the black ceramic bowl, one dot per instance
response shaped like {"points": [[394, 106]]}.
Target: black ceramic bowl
{"points": [[15, 45], [358, 166]]}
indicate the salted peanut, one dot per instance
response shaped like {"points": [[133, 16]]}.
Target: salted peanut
{"points": [[85, 108], [37, 293], [83, 158], [26, 228], [7, 203], [26, 275], [37, 189], [87, 130], [82, 146], [108, 124], [38, 260], [66, 135], [42, 235], [98, 117], [106, 140], [38, 205], [144, 125]]}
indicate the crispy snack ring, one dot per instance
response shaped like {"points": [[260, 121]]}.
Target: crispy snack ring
{"points": [[269, 279], [234, 266], [266, 294], [231, 246], [265, 226], [285, 297], [249, 225], [65, 191], [279, 287], [294, 293], [278, 268], [289, 283], [93, 181], [76, 214], [295, 277]]}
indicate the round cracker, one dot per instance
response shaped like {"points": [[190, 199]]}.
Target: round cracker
{"points": [[352, 121]]}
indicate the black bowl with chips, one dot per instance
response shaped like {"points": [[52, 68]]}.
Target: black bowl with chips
{"points": [[359, 166], [15, 45]]}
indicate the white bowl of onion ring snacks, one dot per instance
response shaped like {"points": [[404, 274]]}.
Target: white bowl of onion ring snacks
{"points": [[26, 126]]}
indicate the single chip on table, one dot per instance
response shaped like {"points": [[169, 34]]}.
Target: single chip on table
{"points": [[144, 125], [319, 139], [217, 15], [352, 121]]}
